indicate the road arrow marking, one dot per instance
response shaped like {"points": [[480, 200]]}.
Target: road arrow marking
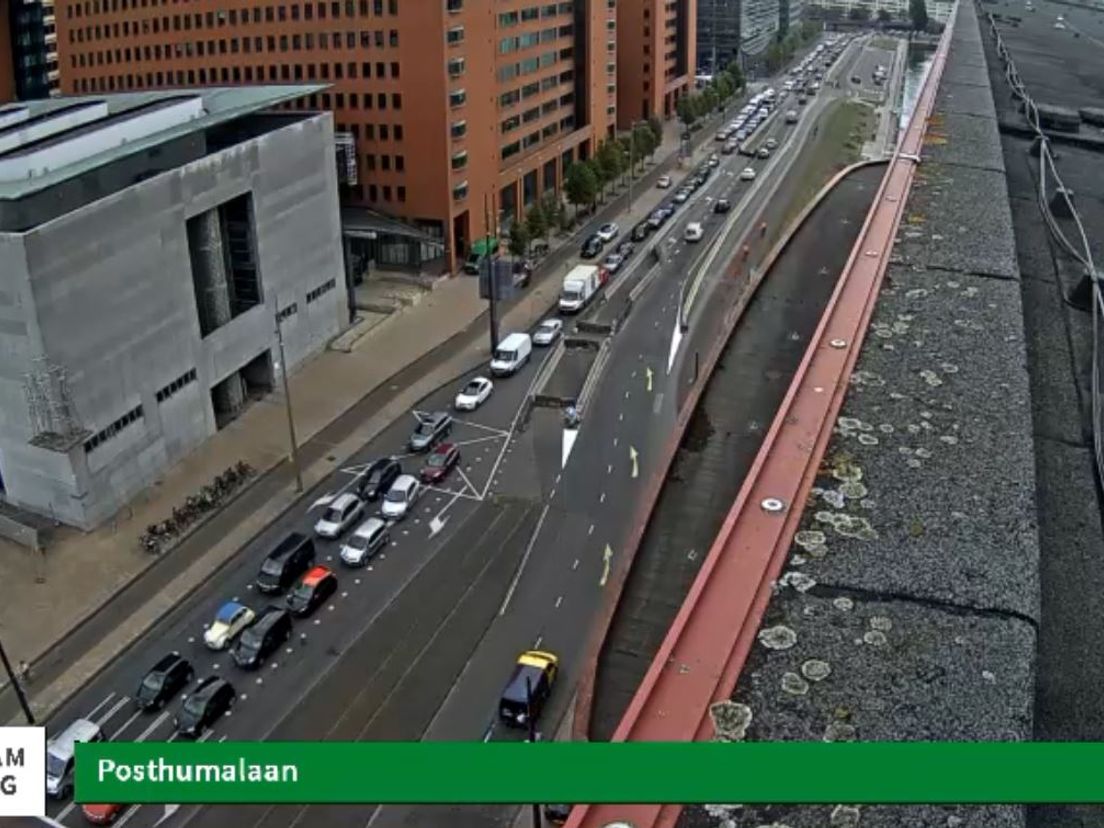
{"points": [[635, 466], [607, 556], [648, 374], [569, 437], [436, 525]]}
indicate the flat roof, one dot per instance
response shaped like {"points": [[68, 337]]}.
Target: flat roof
{"points": [[221, 104]]}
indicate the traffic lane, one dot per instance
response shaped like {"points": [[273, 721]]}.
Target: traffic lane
{"points": [[391, 682]]}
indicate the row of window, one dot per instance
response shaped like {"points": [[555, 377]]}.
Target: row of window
{"points": [[366, 38], [288, 312], [508, 99], [512, 18], [533, 138], [372, 193], [530, 65], [244, 74], [170, 390], [90, 8], [530, 115], [320, 291], [105, 434], [516, 43], [372, 132], [385, 162]]}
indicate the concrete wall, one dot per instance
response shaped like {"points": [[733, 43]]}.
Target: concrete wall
{"points": [[113, 295]]}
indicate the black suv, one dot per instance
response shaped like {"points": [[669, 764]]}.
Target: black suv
{"points": [[212, 697], [291, 558], [592, 247], [262, 638], [641, 231], [164, 680], [377, 479]]}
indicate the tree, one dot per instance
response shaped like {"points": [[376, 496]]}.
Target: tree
{"points": [[918, 11], [737, 74], [861, 12], [519, 238], [883, 16], [686, 110], [536, 222], [581, 184], [643, 143], [656, 126], [610, 161]]}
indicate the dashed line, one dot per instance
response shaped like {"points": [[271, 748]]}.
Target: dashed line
{"points": [[602, 499], [609, 469], [590, 531], [575, 565], [558, 602]]}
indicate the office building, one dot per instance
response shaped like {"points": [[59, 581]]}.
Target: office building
{"points": [[152, 242], [656, 49], [759, 21], [938, 10], [441, 106], [28, 48], [718, 38], [789, 14], [7, 58]]}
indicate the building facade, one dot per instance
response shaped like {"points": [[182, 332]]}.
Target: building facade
{"points": [[446, 111], [938, 10], [28, 48], [718, 37], [152, 243], [759, 21], [657, 55], [789, 14]]}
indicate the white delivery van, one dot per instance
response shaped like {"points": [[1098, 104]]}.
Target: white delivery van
{"points": [[579, 287], [511, 354], [60, 753]]}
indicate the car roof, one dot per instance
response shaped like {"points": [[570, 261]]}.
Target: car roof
{"points": [[443, 448], [227, 610], [373, 524], [79, 730], [404, 481], [166, 662], [316, 574], [208, 686], [343, 500]]}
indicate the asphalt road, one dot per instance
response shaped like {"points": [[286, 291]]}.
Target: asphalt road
{"points": [[419, 644]]}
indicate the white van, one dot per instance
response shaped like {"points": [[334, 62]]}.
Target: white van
{"points": [[60, 752], [511, 354]]}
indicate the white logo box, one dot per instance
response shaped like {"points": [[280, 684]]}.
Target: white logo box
{"points": [[22, 771]]}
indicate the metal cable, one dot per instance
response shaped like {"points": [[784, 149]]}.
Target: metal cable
{"points": [[1083, 254]]}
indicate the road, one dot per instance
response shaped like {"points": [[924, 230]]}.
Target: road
{"points": [[512, 552]]}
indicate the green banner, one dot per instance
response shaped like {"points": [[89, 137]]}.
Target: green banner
{"points": [[577, 772]]}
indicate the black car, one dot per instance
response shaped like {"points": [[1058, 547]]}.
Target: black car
{"points": [[164, 680], [290, 559], [312, 591], [722, 205], [262, 638], [656, 219], [557, 814], [641, 231], [212, 697], [625, 249], [591, 247], [378, 477]]}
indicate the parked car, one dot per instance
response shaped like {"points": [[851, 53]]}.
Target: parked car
{"points": [[694, 232], [640, 231], [663, 182], [547, 332], [681, 196], [432, 429], [164, 680], [343, 512], [440, 462], [399, 500], [290, 559], [61, 755], [377, 478], [312, 591], [210, 700], [722, 205], [473, 394], [262, 638], [656, 219], [715, 159], [771, 143], [608, 232], [369, 539], [102, 814], [591, 247], [612, 263], [229, 622], [528, 688], [626, 248], [729, 148], [747, 174], [764, 152]]}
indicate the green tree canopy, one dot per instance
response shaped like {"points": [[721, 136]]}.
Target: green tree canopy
{"points": [[918, 11], [581, 184], [536, 222], [519, 238]]}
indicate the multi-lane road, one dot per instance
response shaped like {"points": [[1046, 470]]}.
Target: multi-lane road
{"points": [[512, 551]]}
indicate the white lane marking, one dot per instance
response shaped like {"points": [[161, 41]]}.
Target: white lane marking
{"points": [[68, 809], [609, 469], [602, 499], [107, 700], [658, 404], [152, 726], [570, 435], [524, 560], [131, 811], [558, 602], [575, 565], [115, 708], [676, 340], [475, 440], [126, 724], [590, 531], [206, 735], [467, 482]]}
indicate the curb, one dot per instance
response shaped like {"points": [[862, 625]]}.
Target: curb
{"points": [[585, 693]]}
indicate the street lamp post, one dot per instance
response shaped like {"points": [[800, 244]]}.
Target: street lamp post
{"points": [[17, 686], [287, 403]]}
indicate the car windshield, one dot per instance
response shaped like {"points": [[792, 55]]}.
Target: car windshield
{"points": [[302, 592], [396, 496], [504, 356], [153, 682], [358, 542], [332, 515], [437, 460], [426, 428], [195, 703], [548, 327], [250, 640], [570, 295], [472, 388], [55, 765], [373, 479]]}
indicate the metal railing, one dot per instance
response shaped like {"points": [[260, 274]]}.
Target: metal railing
{"points": [[1081, 253]]}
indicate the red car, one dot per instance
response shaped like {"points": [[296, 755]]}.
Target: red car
{"points": [[440, 463], [101, 814]]}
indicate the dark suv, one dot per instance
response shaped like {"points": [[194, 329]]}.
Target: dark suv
{"points": [[289, 560], [212, 697], [164, 680], [262, 638], [592, 247], [378, 477]]}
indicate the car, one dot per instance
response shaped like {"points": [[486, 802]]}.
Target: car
{"points": [[612, 263], [742, 135], [61, 755], [377, 478], [802, 100], [474, 394], [640, 231], [626, 248], [102, 814], [730, 147], [667, 210], [591, 248], [343, 511], [557, 813], [369, 539], [663, 182], [164, 680], [528, 688], [440, 462], [855, 79], [694, 232], [432, 429], [791, 116], [722, 205], [229, 622], [771, 143], [747, 174], [656, 219], [399, 500], [547, 332], [291, 557], [608, 232], [715, 159], [1059, 25], [763, 152], [721, 135], [212, 697], [312, 591], [522, 272], [681, 196], [262, 638]]}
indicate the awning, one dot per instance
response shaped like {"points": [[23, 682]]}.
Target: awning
{"points": [[361, 222]]}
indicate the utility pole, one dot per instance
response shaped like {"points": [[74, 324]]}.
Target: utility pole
{"points": [[492, 260], [17, 686], [632, 168], [532, 738], [287, 403]]}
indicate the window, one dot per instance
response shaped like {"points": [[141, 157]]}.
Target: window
{"points": [[386, 192], [385, 164], [395, 69], [286, 313], [102, 436], [453, 6], [457, 97], [400, 163], [459, 129], [455, 35], [320, 291], [455, 67], [177, 384], [384, 132], [398, 132], [460, 191], [459, 160], [396, 100], [402, 193]]}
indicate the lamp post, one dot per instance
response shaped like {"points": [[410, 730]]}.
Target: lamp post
{"points": [[17, 686], [287, 403]]}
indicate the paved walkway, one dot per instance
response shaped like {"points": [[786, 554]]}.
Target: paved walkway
{"points": [[48, 596]]}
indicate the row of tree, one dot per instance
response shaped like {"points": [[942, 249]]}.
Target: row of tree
{"points": [[918, 14], [585, 182], [714, 95], [783, 47]]}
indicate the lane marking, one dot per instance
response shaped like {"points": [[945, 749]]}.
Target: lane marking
{"points": [[575, 565], [607, 556], [635, 465], [115, 708], [558, 602], [524, 560], [126, 724], [590, 531], [107, 700], [153, 726], [602, 499]]}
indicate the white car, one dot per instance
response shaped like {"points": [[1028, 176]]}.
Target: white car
{"points": [[474, 394], [339, 515], [694, 232], [748, 174], [400, 497], [547, 332], [366, 542], [663, 182], [230, 620], [608, 232]]}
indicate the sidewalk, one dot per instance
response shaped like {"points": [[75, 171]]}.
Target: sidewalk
{"points": [[47, 597]]}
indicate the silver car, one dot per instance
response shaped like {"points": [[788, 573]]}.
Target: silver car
{"points": [[547, 332]]}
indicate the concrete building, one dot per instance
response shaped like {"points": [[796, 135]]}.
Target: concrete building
{"points": [[656, 56], [718, 37], [150, 243], [938, 10], [28, 47], [440, 107], [759, 21], [789, 14], [7, 58]]}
